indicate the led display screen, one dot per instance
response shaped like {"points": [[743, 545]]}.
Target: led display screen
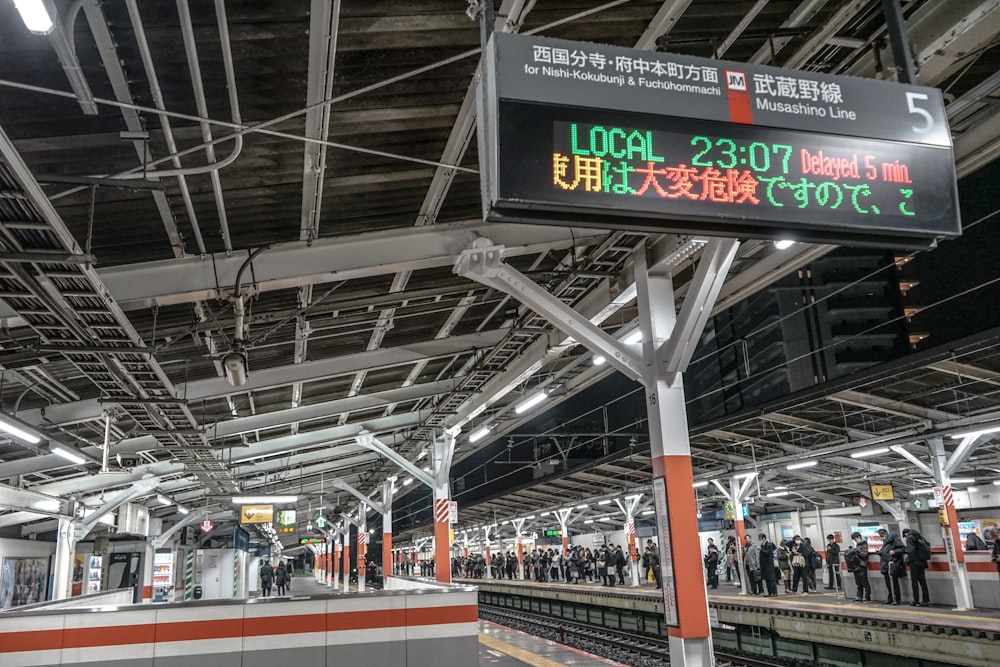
{"points": [[667, 173]]}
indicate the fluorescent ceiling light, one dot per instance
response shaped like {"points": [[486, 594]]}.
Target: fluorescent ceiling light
{"points": [[422, 454], [973, 489], [184, 510], [407, 481], [250, 500], [784, 244], [19, 432], [582, 507], [633, 338], [529, 518], [545, 513], [921, 492], [648, 512], [996, 482], [780, 488], [480, 434], [976, 434], [701, 484], [963, 480], [599, 360], [869, 452], [67, 454], [777, 494], [163, 500], [803, 464], [531, 402], [604, 502], [589, 521], [35, 15]]}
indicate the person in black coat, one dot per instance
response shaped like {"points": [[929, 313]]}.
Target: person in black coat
{"points": [[833, 563], [768, 572], [892, 565], [281, 578], [712, 566], [266, 577], [993, 535], [807, 550], [917, 567]]}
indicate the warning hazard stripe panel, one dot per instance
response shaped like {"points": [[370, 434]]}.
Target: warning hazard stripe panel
{"points": [[442, 510], [74, 637]]}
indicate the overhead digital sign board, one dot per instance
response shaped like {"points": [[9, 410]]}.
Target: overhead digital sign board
{"points": [[604, 136]]}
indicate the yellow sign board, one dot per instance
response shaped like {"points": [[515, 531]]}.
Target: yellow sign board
{"points": [[883, 492], [257, 514]]}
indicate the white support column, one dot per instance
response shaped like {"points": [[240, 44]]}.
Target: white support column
{"points": [[488, 574], [148, 558], [362, 557], [564, 522], [63, 567], [443, 451], [519, 531], [388, 491], [952, 537], [346, 556], [628, 507]]}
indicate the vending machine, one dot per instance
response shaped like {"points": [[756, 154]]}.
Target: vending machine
{"points": [[163, 576], [93, 574]]}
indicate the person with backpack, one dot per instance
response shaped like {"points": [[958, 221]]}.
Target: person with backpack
{"points": [[856, 559], [974, 543], [918, 554], [813, 561]]}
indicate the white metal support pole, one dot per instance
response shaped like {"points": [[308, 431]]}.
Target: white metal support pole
{"points": [[443, 450], [628, 508], [488, 573], [63, 567], [952, 537], [346, 556], [741, 531], [335, 558], [388, 490], [519, 531], [362, 546], [564, 522], [684, 593]]}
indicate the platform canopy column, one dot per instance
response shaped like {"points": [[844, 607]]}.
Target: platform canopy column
{"points": [[383, 507], [488, 573], [669, 340], [519, 532], [564, 523], [629, 505], [438, 479], [737, 494], [943, 465]]}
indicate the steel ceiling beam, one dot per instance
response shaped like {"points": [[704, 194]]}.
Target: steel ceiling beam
{"points": [[799, 17], [891, 406], [87, 410]]}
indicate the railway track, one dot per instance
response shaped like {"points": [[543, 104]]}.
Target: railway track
{"points": [[638, 650]]}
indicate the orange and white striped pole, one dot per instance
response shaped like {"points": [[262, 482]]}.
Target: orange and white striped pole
{"points": [[681, 570], [388, 489], [362, 557]]}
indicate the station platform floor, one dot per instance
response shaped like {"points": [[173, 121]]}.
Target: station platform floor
{"points": [[498, 646]]}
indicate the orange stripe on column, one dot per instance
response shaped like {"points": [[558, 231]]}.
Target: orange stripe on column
{"points": [[689, 585]]}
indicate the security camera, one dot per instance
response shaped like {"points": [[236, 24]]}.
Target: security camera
{"points": [[127, 460], [235, 365]]}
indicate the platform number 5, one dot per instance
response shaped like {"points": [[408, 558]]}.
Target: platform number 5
{"points": [[911, 105]]}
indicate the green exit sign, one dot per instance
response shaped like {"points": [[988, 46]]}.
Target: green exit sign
{"points": [[553, 533]]}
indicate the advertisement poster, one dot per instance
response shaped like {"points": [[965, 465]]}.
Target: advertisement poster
{"points": [[79, 569], [22, 581]]}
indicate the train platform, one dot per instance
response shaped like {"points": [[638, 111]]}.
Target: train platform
{"points": [[982, 621]]}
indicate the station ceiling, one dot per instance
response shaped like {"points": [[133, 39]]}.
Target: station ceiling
{"points": [[334, 142]]}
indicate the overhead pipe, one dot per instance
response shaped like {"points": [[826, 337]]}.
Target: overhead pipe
{"points": [[194, 65]]}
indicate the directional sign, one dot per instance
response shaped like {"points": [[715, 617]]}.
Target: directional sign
{"points": [[206, 526], [586, 134], [862, 502], [883, 492], [312, 540], [321, 522], [257, 514]]}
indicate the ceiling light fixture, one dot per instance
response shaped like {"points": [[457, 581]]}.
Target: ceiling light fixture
{"points": [[803, 464], [67, 454], [975, 434], [963, 480], [163, 500], [864, 453], [184, 510], [604, 502], [407, 481], [699, 485], [526, 405], [599, 360], [633, 338], [252, 500], [480, 434], [972, 489], [7, 425], [36, 16], [777, 494], [921, 492], [648, 512], [582, 507], [784, 244]]}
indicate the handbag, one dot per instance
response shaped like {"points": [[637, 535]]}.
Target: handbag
{"points": [[798, 560]]}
